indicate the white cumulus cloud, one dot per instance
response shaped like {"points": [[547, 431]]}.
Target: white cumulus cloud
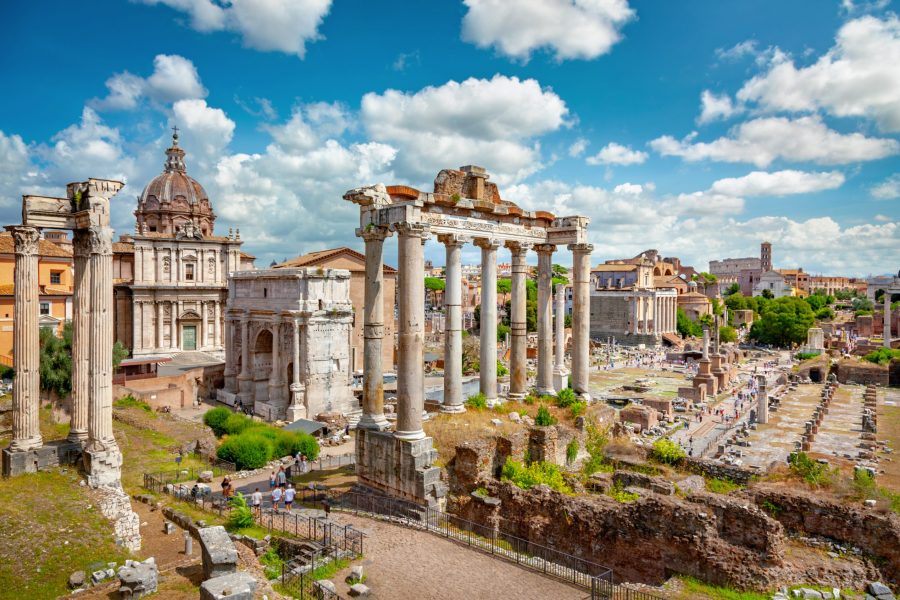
{"points": [[174, 78], [764, 140], [713, 107], [888, 189], [267, 25], [491, 122], [857, 77], [778, 183], [570, 29], [617, 154]]}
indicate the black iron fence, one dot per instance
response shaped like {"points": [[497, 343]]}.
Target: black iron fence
{"points": [[302, 585]]}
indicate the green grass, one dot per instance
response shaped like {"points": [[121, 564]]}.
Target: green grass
{"points": [[328, 570], [620, 495], [272, 563], [42, 511], [694, 588], [721, 486], [132, 402]]}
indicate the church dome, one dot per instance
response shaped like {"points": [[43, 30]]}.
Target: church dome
{"points": [[173, 198]]}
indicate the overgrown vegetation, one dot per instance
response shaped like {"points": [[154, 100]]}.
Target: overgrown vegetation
{"points": [[251, 444], [594, 443], [544, 418], [536, 473], [240, 515], [476, 401], [566, 397], [617, 493], [667, 452], [806, 355], [882, 356], [694, 588], [572, 451], [814, 473], [272, 563], [721, 486], [130, 401]]}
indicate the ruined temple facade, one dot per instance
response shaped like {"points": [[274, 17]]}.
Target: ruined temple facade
{"points": [[171, 274]]}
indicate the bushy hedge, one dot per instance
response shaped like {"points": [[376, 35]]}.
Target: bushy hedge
{"points": [[246, 451], [537, 473], [668, 452], [215, 419], [251, 444]]}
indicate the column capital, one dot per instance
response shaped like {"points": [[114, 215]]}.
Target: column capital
{"points": [[518, 248], [545, 248], [487, 243], [410, 229], [581, 248], [373, 233], [453, 239], [99, 240], [26, 239]]}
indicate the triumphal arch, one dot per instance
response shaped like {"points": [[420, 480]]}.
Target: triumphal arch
{"points": [[463, 208]]}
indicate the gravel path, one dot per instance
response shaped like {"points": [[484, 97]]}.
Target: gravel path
{"points": [[405, 564]]}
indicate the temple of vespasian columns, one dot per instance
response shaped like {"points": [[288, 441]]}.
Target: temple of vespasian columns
{"points": [[85, 210], [464, 207]]}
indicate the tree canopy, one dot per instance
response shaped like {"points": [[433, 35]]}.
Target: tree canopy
{"points": [[435, 284], [784, 322]]}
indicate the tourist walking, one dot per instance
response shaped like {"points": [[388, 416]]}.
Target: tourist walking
{"points": [[289, 497], [282, 477], [256, 503], [304, 465], [272, 480], [276, 498]]}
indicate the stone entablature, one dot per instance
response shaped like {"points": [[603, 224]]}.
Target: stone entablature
{"points": [[289, 351]]}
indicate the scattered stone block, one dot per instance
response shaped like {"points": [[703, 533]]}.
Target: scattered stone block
{"points": [[356, 572], [515, 417], [323, 587], [77, 579], [879, 590], [359, 590], [233, 586], [138, 579], [168, 528], [219, 554], [496, 422], [206, 476]]}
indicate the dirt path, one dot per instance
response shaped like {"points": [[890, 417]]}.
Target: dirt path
{"points": [[405, 564]]}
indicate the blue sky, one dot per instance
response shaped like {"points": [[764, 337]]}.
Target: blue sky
{"points": [[698, 128]]}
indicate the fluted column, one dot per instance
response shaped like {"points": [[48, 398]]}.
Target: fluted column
{"points": [[100, 431], [411, 331], [297, 409], [160, 326], [488, 357], [81, 338], [545, 319], [453, 400], [373, 330], [887, 319], [26, 430], [518, 366], [217, 324], [275, 381], [201, 343], [560, 362], [581, 322], [230, 383], [244, 376]]}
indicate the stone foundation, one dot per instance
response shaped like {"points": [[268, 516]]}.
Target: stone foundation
{"points": [[402, 468], [103, 467], [48, 456], [115, 505]]}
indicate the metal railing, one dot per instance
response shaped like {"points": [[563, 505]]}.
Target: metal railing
{"points": [[302, 584]]}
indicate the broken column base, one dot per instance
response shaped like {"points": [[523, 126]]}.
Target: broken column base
{"points": [[560, 378], [233, 586], [49, 456], [103, 467], [401, 468]]}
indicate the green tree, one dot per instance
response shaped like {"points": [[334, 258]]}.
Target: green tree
{"points": [[784, 322], [685, 326], [734, 288], [504, 285], [120, 353], [816, 301], [727, 334], [768, 294], [56, 360], [434, 285]]}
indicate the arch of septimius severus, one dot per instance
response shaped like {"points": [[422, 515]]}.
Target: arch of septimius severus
{"points": [[85, 211], [464, 207]]}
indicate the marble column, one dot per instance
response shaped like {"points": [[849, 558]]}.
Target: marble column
{"points": [[373, 331], [518, 362], [453, 400], [645, 321], [634, 313], [217, 325], [488, 356], [560, 362], [100, 431], [545, 319], [887, 319], [581, 317], [297, 409], [411, 331], [244, 377], [275, 380], [230, 383], [26, 429], [81, 338], [201, 342]]}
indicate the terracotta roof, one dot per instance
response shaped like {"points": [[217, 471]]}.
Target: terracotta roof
{"points": [[245, 255], [316, 258], [45, 248], [614, 268], [789, 271], [693, 296], [123, 247]]}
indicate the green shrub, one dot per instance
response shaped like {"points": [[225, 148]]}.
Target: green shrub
{"points": [[806, 355], [594, 444], [721, 486], [668, 452], [240, 515], [578, 408], [502, 371], [566, 397], [477, 401], [215, 419], [620, 495], [882, 356], [808, 470], [250, 450], [771, 508], [481, 492], [864, 483], [272, 563], [572, 451], [130, 401], [544, 418], [537, 473], [236, 423]]}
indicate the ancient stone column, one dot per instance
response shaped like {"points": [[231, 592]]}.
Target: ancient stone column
{"points": [[217, 324], [581, 317], [411, 331], [518, 328], [762, 410], [373, 331], [887, 319], [26, 430], [297, 409], [705, 343], [81, 338], [559, 359], [160, 326], [545, 319], [453, 400], [244, 377], [488, 356], [201, 343], [634, 314], [645, 306], [100, 431], [230, 383], [275, 381]]}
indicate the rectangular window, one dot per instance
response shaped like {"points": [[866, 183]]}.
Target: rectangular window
{"points": [[189, 271], [56, 277], [45, 308]]}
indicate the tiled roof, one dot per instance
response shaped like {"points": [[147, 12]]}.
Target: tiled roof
{"points": [[315, 258], [614, 268], [45, 248], [123, 247], [245, 255]]}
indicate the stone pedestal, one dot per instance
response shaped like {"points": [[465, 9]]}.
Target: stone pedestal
{"points": [[103, 466], [402, 468], [297, 408], [50, 455], [705, 378]]}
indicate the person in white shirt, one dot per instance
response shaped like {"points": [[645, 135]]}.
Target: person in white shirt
{"points": [[289, 494], [256, 503], [276, 498]]}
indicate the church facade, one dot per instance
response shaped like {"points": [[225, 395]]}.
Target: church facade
{"points": [[171, 275]]}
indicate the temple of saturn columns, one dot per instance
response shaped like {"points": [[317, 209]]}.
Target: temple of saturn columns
{"points": [[464, 207], [85, 210]]}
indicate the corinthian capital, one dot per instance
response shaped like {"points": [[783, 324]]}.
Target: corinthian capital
{"points": [[407, 229], [373, 233], [99, 240], [25, 238], [487, 243], [453, 239], [581, 248], [545, 248]]}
